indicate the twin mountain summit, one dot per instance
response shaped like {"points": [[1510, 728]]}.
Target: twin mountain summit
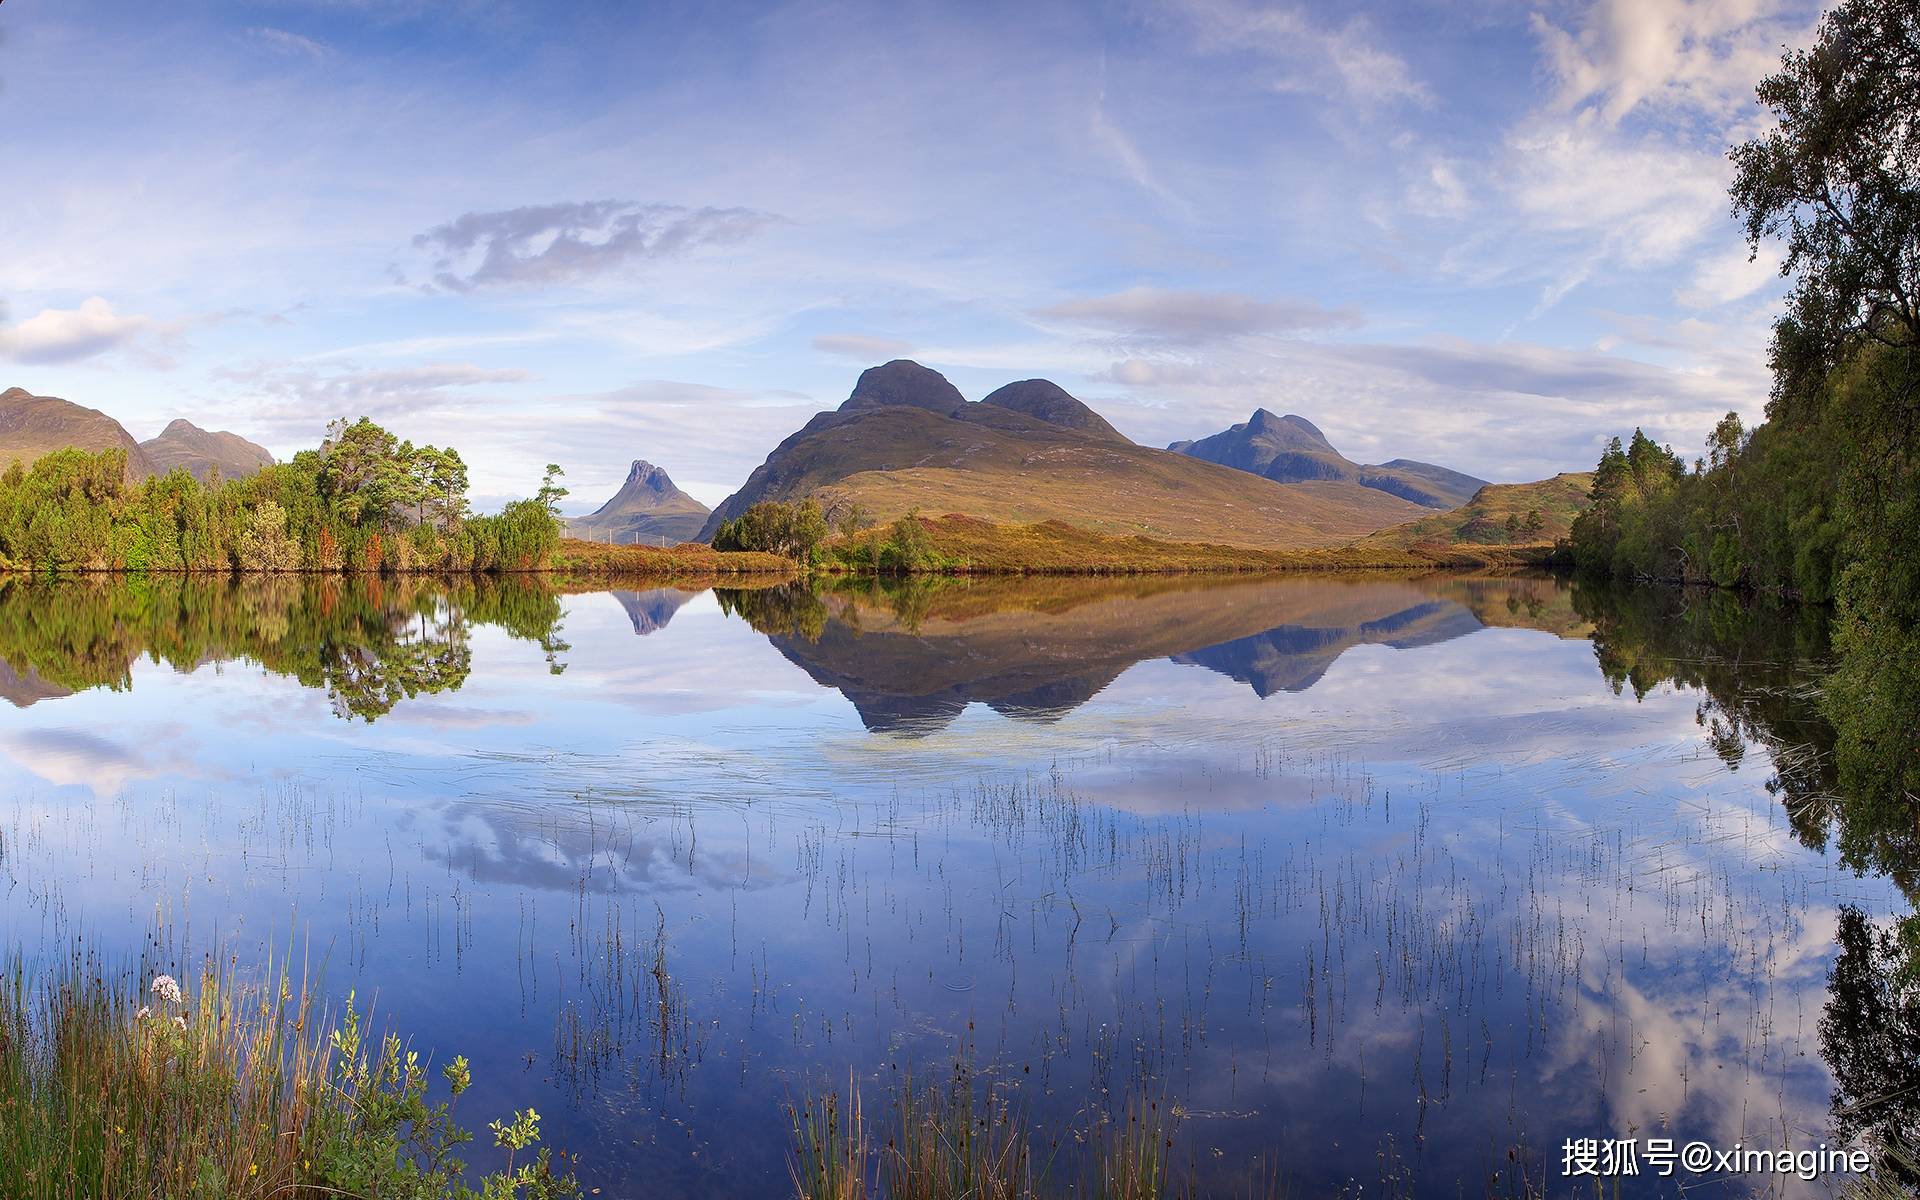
{"points": [[907, 440]]}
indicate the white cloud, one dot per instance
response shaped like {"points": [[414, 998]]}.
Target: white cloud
{"points": [[1642, 200], [1623, 168], [57, 335], [1701, 55]]}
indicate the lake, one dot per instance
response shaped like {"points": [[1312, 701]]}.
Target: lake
{"points": [[1384, 883]]}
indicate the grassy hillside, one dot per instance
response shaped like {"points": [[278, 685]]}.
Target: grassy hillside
{"points": [[1479, 529]]}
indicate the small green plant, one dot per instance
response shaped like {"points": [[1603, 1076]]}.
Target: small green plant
{"points": [[230, 1091]]}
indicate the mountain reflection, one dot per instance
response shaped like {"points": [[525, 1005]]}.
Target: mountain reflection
{"points": [[912, 657], [652, 608]]}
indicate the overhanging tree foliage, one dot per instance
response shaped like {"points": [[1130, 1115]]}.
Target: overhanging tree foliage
{"points": [[1823, 499]]}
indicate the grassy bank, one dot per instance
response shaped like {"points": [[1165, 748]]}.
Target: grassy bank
{"points": [[584, 559], [956, 544], [115, 1086]]}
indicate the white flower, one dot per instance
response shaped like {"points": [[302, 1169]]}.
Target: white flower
{"points": [[167, 988], [180, 1023], [143, 1014]]}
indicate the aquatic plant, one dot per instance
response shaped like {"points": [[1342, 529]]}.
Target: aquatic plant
{"points": [[232, 1090]]}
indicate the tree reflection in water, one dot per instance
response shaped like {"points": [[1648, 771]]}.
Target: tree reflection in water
{"points": [[1758, 667], [369, 643]]}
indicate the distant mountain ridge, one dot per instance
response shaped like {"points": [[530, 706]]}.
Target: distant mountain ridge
{"points": [[32, 426], [648, 509], [202, 452], [1291, 449], [906, 439]]}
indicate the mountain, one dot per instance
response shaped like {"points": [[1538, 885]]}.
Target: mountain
{"points": [[201, 451], [1292, 449], [648, 509], [906, 439], [1483, 523], [31, 426], [1047, 401]]}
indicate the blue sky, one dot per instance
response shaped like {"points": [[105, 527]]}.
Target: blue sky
{"points": [[1487, 234]]}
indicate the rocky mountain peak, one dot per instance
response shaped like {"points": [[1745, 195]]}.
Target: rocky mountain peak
{"points": [[904, 382]]}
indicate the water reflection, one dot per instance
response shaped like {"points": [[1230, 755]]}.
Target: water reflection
{"points": [[1391, 876], [369, 643], [912, 657], [1755, 669]]}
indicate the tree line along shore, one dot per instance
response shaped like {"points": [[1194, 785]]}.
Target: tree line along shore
{"points": [[366, 502]]}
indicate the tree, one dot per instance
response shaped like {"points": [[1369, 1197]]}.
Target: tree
{"points": [[366, 474], [443, 476], [1837, 181], [1726, 442], [775, 527], [551, 493], [264, 544], [907, 548]]}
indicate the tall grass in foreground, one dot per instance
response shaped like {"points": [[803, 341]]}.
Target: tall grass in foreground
{"points": [[227, 1091], [965, 1141]]}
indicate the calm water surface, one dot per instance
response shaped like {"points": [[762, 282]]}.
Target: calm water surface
{"points": [[1372, 877]]}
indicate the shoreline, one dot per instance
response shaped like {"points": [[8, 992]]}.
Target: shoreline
{"points": [[963, 548]]}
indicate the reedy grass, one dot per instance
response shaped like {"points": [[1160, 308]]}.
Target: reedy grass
{"points": [[230, 1089], [962, 1139]]}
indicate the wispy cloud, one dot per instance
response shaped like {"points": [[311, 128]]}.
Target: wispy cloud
{"points": [[1150, 312], [861, 347], [565, 243], [1304, 53], [288, 44], [300, 398]]}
